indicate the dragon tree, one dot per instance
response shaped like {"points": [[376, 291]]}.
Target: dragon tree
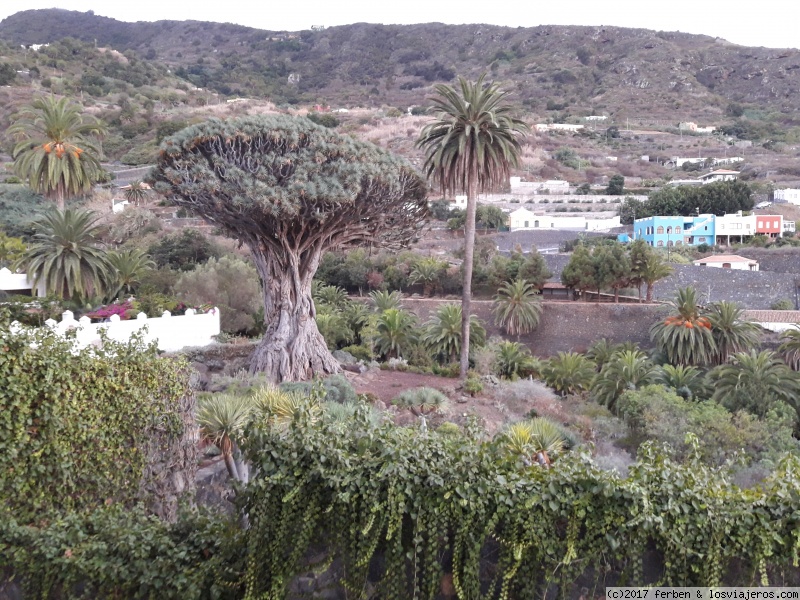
{"points": [[291, 190]]}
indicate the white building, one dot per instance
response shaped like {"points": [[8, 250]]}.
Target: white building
{"points": [[522, 219], [728, 261], [553, 186], [734, 225], [595, 118], [18, 283], [719, 175], [543, 127], [792, 196]]}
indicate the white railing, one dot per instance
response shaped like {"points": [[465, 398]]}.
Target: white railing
{"points": [[170, 332]]}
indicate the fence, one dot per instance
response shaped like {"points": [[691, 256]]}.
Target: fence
{"points": [[171, 332]]}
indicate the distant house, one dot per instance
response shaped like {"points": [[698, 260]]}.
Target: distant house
{"points": [[719, 175], [728, 261], [792, 196], [522, 219], [595, 118], [769, 225]]}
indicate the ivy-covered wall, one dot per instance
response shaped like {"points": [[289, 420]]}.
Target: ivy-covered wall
{"points": [[84, 428]]}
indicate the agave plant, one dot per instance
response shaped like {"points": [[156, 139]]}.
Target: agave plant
{"points": [[222, 419], [688, 382], [421, 401], [731, 331], [279, 407], [626, 370], [568, 373], [536, 441], [790, 348], [384, 300], [685, 336], [517, 307]]}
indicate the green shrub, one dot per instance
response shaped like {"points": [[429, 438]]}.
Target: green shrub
{"points": [[230, 284], [359, 352], [421, 401], [782, 304], [473, 384], [114, 552], [77, 425], [335, 388]]}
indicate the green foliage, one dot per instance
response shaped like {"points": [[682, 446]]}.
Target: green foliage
{"points": [[116, 552], [77, 424], [534, 269], [410, 498], [536, 441], [472, 384], [128, 267], [184, 250], [568, 373], [325, 119], [428, 272], [7, 74], [782, 304], [11, 250], [790, 348], [228, 283], [616, 186], [688, 382], [517, 307], [660, 415], [385, 300], [395, 332], [714, 198], [756, 382], [65, 256]]}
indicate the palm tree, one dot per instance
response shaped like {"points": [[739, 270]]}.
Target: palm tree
{"points": [[626, 370], [136, 192], [384, 300], [332, 295], [732, 333], [470, 146], [654, 269], [517, 307], [443, 331], [568, 373], [63, 255], [513, 359], [688, 382], [395, 331], [685, 337], [54, 151], [333, 326], [428, 272], [127, 269], [790, 348], [754, 381], [222, 419]]}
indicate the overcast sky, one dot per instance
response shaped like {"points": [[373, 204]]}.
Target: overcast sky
{"points": [[771, 23]]}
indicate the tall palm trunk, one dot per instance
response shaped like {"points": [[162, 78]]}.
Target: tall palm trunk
{"points": [[469, 251]]}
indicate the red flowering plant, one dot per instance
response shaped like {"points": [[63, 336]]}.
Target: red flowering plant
{"points": [[125, 310]]}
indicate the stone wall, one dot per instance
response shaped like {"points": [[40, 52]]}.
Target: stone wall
{"points": [[751, 289], [778, 260], [565, 326]]}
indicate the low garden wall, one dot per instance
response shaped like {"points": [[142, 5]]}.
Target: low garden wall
{"points": [[170, 332]]}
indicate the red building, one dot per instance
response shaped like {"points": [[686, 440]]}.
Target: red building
{"points": [[769, 225]]}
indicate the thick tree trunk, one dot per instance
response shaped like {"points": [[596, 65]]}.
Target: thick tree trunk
{"points": [[292, 348], [649, 297], [469, 251]]}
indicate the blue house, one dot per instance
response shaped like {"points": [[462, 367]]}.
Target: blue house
{"points": [[662, 232]]}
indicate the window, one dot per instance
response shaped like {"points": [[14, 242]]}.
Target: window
{"points": [[726, 265], [536, 223], [760, 224], [669, 229], [660, 229], [526, 223], [552, 224], [677, 229], [776, 225], [660, 243], [722, 225], [701, 240], [669, 243]]}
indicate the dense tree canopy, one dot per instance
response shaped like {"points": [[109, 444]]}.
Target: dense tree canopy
{"points": [[290, 190]]}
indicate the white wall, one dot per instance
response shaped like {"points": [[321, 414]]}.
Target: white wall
{"points": [[15, 282], [734, 265], [171, 333], [518, 219]]}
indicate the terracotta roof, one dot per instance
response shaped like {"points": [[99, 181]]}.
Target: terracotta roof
{"points": [[772, 316], [552, 285], [728, 258]]}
